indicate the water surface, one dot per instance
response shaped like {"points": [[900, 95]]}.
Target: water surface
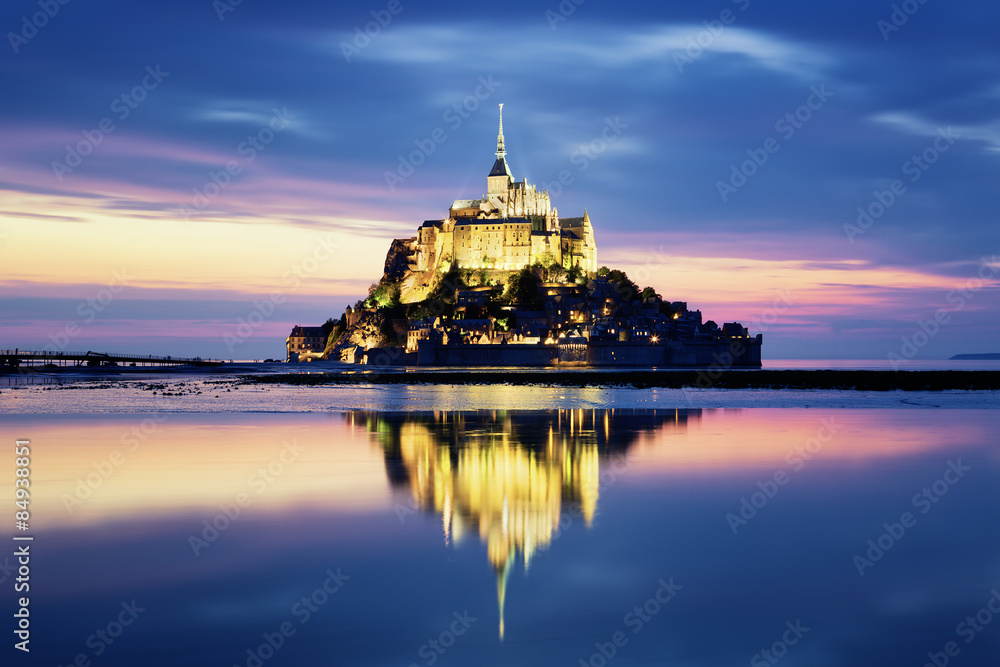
{"points": [[533, 537]]}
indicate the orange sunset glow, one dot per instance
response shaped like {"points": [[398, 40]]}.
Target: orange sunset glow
{"points": [[170, 464]]}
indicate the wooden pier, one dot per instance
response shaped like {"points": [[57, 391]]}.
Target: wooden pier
{"points": [[36, 359]]}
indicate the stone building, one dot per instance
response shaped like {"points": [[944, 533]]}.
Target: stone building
{"points": [[512, 226], [305, 343]]}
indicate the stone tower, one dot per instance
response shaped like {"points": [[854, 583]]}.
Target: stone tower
{"points": [[500, 178]]}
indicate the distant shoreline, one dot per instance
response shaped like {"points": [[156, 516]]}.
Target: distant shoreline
{"points": [[877, 380]]}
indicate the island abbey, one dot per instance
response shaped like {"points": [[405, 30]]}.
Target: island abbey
{"points": [[513, 226], [504, 281]]}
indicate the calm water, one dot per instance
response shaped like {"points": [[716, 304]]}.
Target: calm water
{"points": [[534, 537]]}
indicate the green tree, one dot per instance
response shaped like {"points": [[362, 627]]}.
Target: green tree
{"points": [[546, 259], [327, 326], [446, 285], [626, 289], [332, 330], [521, 288], [384, 294], [556, 273], [370, 299]]}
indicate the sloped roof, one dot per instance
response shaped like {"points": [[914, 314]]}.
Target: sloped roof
{"points": [[500, 168], [308, 332], [467, 203]]}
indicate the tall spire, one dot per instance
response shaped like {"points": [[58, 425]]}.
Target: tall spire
{"points": [[501, 151], [500, 177]]}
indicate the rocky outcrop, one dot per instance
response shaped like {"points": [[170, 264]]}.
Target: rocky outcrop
{"points": [[365, 334], [416, 286], [397, 260]]}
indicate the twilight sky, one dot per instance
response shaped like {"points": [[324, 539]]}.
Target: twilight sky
{"points": [[167, 169]]}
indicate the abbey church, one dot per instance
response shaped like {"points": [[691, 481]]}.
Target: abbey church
{"points": [[451, 296], [514, 225]]}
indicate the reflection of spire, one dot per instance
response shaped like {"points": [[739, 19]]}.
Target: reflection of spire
{"points": [[502, 574], [501, 151], [446, 518]]}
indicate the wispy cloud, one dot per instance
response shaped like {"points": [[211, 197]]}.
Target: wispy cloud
{"points": [[988, 132], [592, 46]]}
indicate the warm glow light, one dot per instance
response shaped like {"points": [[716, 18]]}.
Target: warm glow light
{"points": [[737, 439], [165, 253], [511, 494], [192, 464]]}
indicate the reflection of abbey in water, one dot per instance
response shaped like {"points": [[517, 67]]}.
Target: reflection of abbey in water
{"points": [[509, 476]]}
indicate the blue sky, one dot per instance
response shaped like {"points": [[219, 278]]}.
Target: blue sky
{"points": [[644, 109]]}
